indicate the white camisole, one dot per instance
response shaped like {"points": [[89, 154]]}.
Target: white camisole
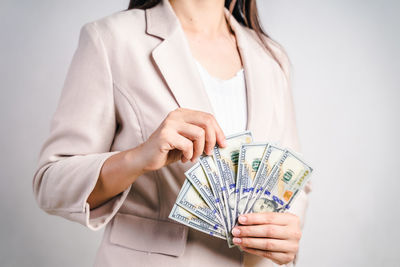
{"points": [[228, 99]]}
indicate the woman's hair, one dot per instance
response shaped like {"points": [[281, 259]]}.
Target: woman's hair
{"points": [[244, 11]]}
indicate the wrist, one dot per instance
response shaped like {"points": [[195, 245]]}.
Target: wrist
{"points": [[136, 161]]}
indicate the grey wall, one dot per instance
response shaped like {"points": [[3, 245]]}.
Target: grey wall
{"points": [[345, 56]]}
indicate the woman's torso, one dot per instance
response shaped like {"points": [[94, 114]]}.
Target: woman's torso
{"points": [[153, 74]]}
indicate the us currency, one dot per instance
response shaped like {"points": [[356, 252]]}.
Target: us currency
{"points": [[181, 215], [249, 160], [271, 156], [227, 162], [209, 167], [190, 200], [287, 178], [198, 178]]}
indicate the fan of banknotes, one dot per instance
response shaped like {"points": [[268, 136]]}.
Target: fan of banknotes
{"points": [[242, 177]]}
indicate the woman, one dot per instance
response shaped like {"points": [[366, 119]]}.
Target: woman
{"points": [[140, 103]]}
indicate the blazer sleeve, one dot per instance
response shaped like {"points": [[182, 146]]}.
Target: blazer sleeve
{"points": [[81, 134], [290, 134]]}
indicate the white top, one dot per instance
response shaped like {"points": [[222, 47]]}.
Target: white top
{"points": [[228, 99]]}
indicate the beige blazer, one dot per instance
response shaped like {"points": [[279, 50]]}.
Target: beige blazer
{"points": [[129, 71]]}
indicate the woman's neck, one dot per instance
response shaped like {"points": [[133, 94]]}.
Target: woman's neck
{"points": [[205, 17]]}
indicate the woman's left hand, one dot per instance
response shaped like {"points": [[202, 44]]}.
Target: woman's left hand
{"points": [[271, 235]]}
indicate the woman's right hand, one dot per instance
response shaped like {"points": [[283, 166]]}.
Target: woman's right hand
{"points": [[183, 135]]}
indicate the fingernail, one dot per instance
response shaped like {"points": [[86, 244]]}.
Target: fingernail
{"points": [[237, 240], [235, 231], [242, 219]]}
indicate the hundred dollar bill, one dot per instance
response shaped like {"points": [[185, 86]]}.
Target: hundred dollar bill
{"points": [[209, 167], [227, 163], [271, 156], [198, 178], [190, 200], [287, 178], [249, 160], [181, 215]]}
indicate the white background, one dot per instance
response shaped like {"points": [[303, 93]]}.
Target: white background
{"points": [[346, 88]]}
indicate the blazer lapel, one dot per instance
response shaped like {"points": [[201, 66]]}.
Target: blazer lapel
{"points": [[174, 60], [259, 70]]}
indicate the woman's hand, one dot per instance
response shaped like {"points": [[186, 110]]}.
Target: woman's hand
{"points": [[271, 235], [184, 134]]}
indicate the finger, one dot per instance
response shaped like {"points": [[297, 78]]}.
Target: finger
{"points": [[183, 159], [265, 218], [220, 136], [264, 230], [195, 134], [275, 245], [174, 155], [277, 257], [220, 139], [183, 144], [205, 121]]}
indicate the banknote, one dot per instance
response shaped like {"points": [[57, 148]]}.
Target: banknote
{"points": [[249, 160], [181, 215], [208, 164], [210, 169], [198, 178], [226, 160], [285, 181], [190, 200], [270, 157]]}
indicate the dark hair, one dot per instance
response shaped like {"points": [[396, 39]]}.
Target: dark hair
{"points": [[244, 11]]}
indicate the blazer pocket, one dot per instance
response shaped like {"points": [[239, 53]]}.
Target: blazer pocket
{"points": [[148, 235]]}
